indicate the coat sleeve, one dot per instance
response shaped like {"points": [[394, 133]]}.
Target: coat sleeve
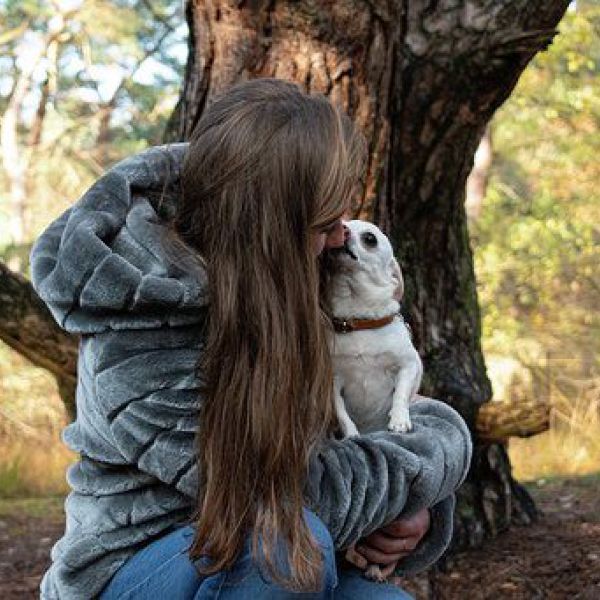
{"points": [[359, 484]]}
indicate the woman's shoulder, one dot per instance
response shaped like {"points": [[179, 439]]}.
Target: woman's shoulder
{"points": [[103, 264]]}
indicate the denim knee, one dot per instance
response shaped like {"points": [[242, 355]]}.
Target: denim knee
{"points": [[325, 541]]}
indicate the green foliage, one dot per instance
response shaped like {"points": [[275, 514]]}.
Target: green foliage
{"points": [[112, 71], [537, 243]]}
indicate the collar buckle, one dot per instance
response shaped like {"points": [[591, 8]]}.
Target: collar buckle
{"points": [[343, 326]]}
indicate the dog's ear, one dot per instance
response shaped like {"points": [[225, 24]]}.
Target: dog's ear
{"points": [[396, 274]]}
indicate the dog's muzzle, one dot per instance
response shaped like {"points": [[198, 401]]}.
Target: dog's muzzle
{"points": [[345, 249]]}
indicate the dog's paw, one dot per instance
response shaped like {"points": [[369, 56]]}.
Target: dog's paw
{"points": [[374, 573], [400, 425]]}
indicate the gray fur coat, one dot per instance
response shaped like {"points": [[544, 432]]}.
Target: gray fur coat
{"points": [[103, 270]]}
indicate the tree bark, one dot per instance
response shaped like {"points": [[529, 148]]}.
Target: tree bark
{"points": [[422, 79]]}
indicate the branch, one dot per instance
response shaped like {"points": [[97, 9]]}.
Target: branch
{"points": [[498, 421], [149, 52], [12, 34], [35, 134], [27, 326], [106, 108], [158, 16]]}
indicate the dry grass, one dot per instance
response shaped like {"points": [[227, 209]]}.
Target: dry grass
{"points": [[571, 447], [33, 459], [31, 467]]}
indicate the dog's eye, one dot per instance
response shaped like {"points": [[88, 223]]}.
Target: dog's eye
{"points": [[369, 239]]}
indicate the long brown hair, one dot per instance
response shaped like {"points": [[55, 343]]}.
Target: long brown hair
{"points": [[266, 166]]}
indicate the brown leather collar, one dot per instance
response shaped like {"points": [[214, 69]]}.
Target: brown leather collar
{"points": [[348, 325]]}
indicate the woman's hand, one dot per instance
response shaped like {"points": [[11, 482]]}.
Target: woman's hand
{"points": [[387, 545]]}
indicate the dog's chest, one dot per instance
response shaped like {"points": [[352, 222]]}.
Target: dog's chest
{"points": [[366, 365]]}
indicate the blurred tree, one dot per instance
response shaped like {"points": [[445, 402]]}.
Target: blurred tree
{"points": [[477, 180], [81, 85], [537, 243], [76, 78], [422, 79]]}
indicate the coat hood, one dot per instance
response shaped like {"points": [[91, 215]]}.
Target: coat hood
{"points": [[104, 263]]}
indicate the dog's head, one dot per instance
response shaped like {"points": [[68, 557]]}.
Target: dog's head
{"points": [[368, 250]]}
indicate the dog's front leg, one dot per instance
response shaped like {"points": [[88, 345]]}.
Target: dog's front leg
{"points": [[346, 423], [407, 381]]}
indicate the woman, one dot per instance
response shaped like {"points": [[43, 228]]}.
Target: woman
{"points": [[192, 276]]}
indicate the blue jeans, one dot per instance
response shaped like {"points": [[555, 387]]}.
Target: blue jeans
{"points": [[163, 569]]}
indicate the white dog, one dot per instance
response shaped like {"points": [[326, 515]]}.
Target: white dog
{"points": [[377, 370]]}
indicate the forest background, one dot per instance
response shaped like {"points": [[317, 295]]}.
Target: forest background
{"points": [[81, 91]]}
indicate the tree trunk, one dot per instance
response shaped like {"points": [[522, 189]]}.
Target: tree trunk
{"points": [[422, 79]]}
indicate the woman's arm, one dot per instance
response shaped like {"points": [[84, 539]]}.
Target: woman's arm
{"points": [[144, 382], [143, 398], [144, 386], [357, 485]]}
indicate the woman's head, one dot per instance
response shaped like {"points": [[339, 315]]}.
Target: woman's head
{"points": [[269, 169], [276, 160]]}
